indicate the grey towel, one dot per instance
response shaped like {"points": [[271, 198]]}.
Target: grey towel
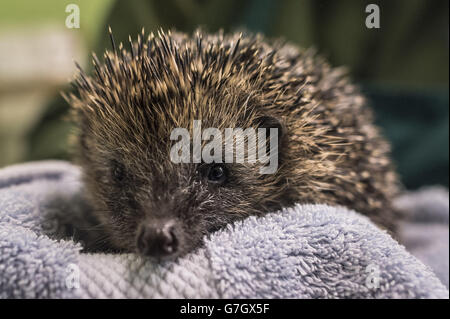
{"points": [[308, 251]]}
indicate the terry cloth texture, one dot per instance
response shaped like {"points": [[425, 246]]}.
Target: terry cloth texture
{"points": [[307, 251]]}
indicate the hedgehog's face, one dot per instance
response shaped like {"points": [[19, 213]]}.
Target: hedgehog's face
{"points": [[126, 114], [162, 209]]}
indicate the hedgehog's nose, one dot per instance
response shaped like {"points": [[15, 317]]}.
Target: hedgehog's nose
{"points": [[157, 239]]}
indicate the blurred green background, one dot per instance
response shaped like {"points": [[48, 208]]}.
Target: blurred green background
{"points": [[402, 67]]}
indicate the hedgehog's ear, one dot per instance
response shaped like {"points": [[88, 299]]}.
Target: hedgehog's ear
{"points": [[271, 122]]}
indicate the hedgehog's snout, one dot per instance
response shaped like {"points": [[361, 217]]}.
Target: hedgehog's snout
{"points": [[157, 238]]}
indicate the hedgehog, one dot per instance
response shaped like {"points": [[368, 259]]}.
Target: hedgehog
{"points": [[329, 150]]}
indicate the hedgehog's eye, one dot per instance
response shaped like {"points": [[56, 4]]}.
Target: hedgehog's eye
{"points": [[217, 174], [118, 171]]}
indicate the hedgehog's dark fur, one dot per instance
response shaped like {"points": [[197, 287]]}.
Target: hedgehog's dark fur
{"points": [[330, 151]]}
